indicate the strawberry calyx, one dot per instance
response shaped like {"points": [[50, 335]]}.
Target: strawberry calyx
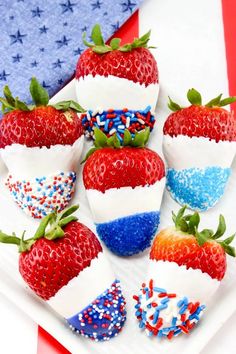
{"points": [[51, 228], [189, 224], [195, 98], [101, 141], [98, 46], [39, 96]]}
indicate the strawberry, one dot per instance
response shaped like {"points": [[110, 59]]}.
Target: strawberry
{"points": [[124, 185], [131, 61], [194, 177], [111, 77], [40, 145], [185, 269], [52, 263]]}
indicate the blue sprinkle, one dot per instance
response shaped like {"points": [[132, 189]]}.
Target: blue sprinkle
{"points": [[165, 300], [174, 320], [159, 290], [183, 309], [106, 126], [155, 317], [162, 307]]}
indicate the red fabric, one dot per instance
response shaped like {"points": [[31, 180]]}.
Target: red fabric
{"points": [[229, 16], [46, 343]]}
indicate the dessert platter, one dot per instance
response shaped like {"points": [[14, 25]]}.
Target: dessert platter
{"points": [[117, 226]]}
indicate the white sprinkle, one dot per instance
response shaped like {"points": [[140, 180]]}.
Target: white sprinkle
{"points": [[112, 131], [141, 121], [127, 122], [88, 116], [121, 126]]}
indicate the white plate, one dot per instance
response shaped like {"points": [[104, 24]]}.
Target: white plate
{"points": [[131, 271], [183, 62]]}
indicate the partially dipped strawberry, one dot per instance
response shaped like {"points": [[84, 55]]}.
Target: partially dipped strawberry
{"points": [[199, 145], [185, 269], [63, 263], [118, 79], [124, 186], [41, 145]]}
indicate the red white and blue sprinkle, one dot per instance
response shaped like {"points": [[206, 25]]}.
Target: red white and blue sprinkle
{"points": [[116, 121], [40, 196], [104, 318], [164, 314]]}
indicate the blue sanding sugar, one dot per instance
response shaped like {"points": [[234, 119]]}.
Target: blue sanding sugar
{"points": [[198, 188], [131, 234]]}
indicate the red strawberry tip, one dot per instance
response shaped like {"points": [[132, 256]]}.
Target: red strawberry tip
{"points": [[101, 140], [195, 98], [98, 46], [189, 224], [39, 96], [51, 228]]}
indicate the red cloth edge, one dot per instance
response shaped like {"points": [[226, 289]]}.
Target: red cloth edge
{"points": [[229, 16], [46, 343]]}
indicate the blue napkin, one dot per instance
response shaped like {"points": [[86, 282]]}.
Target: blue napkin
{"points": [[43, 38]]}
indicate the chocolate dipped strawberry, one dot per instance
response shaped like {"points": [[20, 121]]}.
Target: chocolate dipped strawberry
{"points": [[41, 145], [64, 264], [199, 145], [124, 186], [117, 84], [185, 269]]}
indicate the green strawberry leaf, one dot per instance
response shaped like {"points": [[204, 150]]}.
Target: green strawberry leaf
{"points": [[21, 105], [228, 249], [230, 239], [65, 105], [126, 48], [146, 135], [4, 238], [68, 211], [180, 215], [102, 49], [194, 221], [227, 101], [214, 102], [63, 222], [96, 35], [115, 43], [87, 44], [40, 232], [139, 139], [7, 93], [182, 225], [89, 153], [173, 106], [127, 137], [202, 237], [116, 142], [221, 228], [38, 93], [194, 97], [100, 138], [6, 107]]}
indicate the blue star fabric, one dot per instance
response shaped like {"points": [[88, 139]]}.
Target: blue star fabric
{"points": [[43, 38]]}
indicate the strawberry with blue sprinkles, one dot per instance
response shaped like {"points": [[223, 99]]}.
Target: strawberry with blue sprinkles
{"points": [[185, 269], [41, 145], [116, 121], [124, 184], [63, 263], [117, 84], [199, 145]]}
